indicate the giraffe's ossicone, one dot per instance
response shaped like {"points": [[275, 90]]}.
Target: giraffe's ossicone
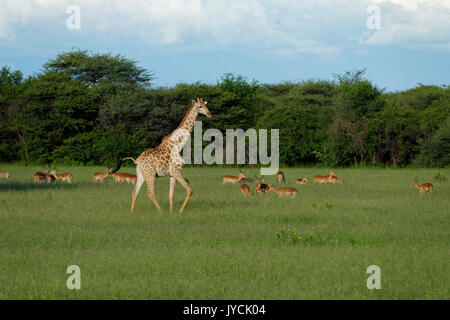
{"points": [[166, 160]]}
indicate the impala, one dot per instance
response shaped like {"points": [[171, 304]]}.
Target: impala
{"points": [[334, 179], [118, 177], [301, 181], [130, 178], [261, 187], [4, 175], [284, 191], [40, 177], [245, 189], [48, 177], [62, 176], [233, 179], [280, 177], [101, 176], [324, 179], [426, 187]]}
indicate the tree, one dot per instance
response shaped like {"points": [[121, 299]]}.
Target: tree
{"points": [[435, 151], [302, 114], [10, 89], [94, 68], [357, 102]]}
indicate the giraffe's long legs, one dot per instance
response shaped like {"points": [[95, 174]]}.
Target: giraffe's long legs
{"points": [[188, 188], [139, 181], [150, 190], [173, 181]]}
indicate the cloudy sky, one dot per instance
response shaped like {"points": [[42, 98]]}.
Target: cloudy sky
{"points": [[400, 42]]}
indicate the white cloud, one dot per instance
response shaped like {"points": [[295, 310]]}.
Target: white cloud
{"points": [[283, 26], [220, 23], [412, 23], [15, 15]]}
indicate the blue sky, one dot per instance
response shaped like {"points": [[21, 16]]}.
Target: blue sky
{"points": [[400, 42]]}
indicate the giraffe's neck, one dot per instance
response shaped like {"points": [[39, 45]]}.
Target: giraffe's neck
{"points": [[189, 120], [180, 136]]}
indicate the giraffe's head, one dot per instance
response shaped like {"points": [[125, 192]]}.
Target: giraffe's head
{"points": [[201, 107]]}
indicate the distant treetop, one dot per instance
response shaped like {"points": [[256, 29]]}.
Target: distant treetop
{"points": [[93, 68]]}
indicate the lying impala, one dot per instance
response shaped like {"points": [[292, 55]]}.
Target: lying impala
{"points": [[233, 179], [62, 176], [4, 175], [334, 179], [245, 189], [301, 181], [284, 191], [40, 177], [324, 179], [426, 187], [260, 186], [280, 177]]}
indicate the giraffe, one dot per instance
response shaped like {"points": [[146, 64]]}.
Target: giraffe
{"points": [[165, 159]]}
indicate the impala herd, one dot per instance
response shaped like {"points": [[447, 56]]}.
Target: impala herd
{"points": [[286, 191], [293, 192], [50, 176]]}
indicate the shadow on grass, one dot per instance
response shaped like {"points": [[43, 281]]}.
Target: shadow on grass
{"points": [[24, 186]]}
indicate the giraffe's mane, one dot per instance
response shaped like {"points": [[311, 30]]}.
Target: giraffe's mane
{"points": [[185, 117], [181, 124]]}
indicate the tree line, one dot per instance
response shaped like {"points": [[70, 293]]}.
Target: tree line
{"points": [[87, 108]]}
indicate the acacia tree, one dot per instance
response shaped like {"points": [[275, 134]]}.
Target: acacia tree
{"points": [[94, 68]]}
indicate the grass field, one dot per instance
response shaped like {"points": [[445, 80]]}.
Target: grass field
{"points": [[225, 246]]}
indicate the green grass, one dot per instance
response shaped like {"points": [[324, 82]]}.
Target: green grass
{"points": [[226, 246]]}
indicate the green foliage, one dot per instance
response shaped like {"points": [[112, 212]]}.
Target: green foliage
{"points": [[83, 106], [98, 146], [435, 151], [300, 114], [92, 68]]}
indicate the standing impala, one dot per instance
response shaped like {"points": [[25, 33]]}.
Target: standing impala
{"points": [[118, 177], [324, 179], [62, 176], [130, 178], [101, 176], [39, 177], [280, 177], [245, 189], [284, 191], [426, 187], [4, 175], [233, 179]]}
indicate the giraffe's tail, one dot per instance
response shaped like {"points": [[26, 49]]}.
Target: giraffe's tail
{"points": [[118, 165], [132, 159]]}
